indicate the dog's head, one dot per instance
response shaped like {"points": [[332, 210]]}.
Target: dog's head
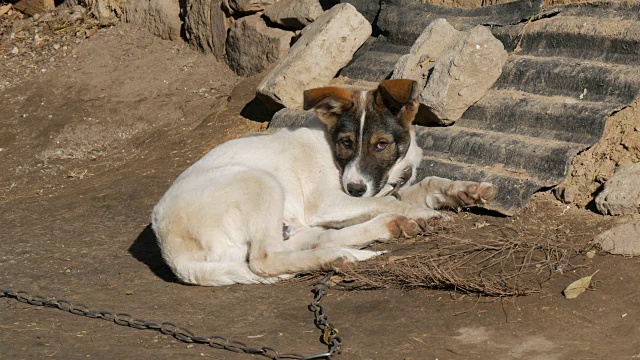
{"points": [[370, 131]]}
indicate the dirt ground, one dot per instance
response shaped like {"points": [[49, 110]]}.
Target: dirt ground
{"points": [[619, 146], [479, 3], [87, 149]]}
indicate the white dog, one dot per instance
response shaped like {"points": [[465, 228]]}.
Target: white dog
{"points": [[222, 220]]}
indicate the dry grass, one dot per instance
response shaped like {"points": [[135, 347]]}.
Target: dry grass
{"points": [[501, 257], [494, 267]]}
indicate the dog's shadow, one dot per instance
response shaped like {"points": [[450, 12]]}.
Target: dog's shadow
{"points": [[145, 249]]}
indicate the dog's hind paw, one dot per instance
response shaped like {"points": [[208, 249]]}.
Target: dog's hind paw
{"points": [[350, 256], [273, 280], [362, 255]]}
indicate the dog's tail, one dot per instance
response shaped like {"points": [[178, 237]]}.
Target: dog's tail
{"points": [[206, 273]]}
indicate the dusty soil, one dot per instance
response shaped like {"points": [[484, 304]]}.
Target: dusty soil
{"points": [[30, 45], [89, 147], [479, 3], [619, 146]]}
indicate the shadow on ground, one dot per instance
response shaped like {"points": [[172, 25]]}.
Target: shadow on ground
{"points": [[145, 249]]}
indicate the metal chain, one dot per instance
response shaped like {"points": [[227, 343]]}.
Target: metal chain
{"points": [[321, 321]]}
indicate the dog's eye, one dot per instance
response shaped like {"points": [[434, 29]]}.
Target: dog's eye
{"points": [[347, 143], [381, 145]]}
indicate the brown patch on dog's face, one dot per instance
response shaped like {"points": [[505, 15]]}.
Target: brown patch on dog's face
{"points": [[369, 131]]}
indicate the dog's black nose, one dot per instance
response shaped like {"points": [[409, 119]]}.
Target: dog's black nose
{"points": [[356, 190]]}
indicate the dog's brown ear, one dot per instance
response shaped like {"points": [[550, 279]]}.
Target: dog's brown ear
{"points": [[400, 96], [328, 102]]}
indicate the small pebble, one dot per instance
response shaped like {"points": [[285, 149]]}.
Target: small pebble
{"points": [[15, 50], [78, 9], [56, 46]]}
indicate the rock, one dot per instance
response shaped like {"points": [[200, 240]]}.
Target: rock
{"points": [[220, 24], [324, 48], [463, 75], [5, 9], [206, 25], [291, 118], [252, 46], [621, 194], [160, 17], [78, 9], [197, 23], [248, 6], [621, 240], [294, 14], [368, 8], [106, 11], [568, 194], [434, 41]]}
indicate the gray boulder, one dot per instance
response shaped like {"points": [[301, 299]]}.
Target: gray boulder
{"points": [[248, 6], [252, 46], [294, 14], [325, 47], [292, 118], [435, 40], [206, 25], [160, 17], [621, 193], [621, 240], [463, 75]]}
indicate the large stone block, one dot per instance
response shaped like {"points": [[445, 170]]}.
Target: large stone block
{"points": [[463, 75], [324, 48], [248, 6], [621, 240], [294, 14], [435, 41], [292, 118], [252, 46], [621, 193], [160, 17], [206, 26]]}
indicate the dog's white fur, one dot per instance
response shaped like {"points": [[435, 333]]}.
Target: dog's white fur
{"points": [[221, 221]]}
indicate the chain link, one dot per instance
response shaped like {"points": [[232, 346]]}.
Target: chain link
{"points": [[321, 321]]}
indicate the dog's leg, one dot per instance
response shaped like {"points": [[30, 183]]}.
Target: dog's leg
{"points": [[271, 262], [269, 254], [383, 227], [338, 210], [438, 193]]}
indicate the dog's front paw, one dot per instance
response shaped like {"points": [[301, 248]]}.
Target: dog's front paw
{"points": [[427, 219], [458, 194], [473, 193], [412, 222], [400, 226]]}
